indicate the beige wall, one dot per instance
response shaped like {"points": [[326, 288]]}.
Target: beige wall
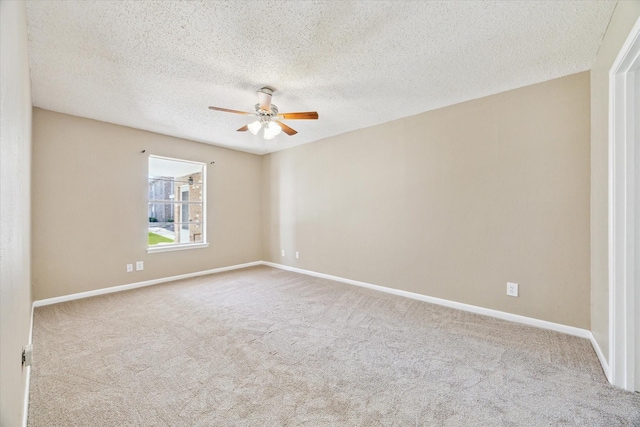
{"points": [[90, 210], [451, 203], [15, 170], [623, 19]]}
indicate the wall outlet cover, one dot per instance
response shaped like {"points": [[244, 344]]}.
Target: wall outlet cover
{"points": [[27, 355], [512, 289], [129, 268], [139, 265]]}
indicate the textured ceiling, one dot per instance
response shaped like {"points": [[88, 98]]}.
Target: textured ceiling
{"points": [[158, 65]]}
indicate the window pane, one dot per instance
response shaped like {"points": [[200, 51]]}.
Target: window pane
{"points": [[178, 222], [189, 193], [161, 234], [175, 206], [196, 179], [162, 212], [164, 233], [161, 189], [175, 212]]}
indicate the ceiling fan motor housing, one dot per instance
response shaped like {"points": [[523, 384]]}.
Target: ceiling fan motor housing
{"points": [[264, 100], [263, 113]]}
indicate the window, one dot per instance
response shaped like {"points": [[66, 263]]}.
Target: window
{"points": [[176, 204]]}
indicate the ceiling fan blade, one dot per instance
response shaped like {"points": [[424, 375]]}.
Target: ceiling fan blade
{"points": [[286, 129], [309, 115], [243, 128], [226, 110]]}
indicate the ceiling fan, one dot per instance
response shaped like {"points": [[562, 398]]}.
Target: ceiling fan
{"points": [[268, 117]]}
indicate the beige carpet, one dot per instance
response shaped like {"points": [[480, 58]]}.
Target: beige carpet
{"points": [[265, 347]]}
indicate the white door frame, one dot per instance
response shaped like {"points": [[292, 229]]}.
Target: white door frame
{"points": [[624, 210]]}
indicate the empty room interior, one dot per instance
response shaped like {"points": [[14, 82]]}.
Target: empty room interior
{"points": [[356, 213]]}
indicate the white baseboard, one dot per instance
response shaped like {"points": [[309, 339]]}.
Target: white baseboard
{"points": [[557, 327], [603, 361], [55, 300], [569, 330]]}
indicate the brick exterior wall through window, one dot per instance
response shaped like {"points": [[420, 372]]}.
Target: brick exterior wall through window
{"points": [[194, 216]]}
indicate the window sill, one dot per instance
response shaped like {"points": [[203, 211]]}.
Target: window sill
{"points": [[171, 248]]}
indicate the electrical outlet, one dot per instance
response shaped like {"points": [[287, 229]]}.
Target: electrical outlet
{"points": [[297, 255], [27, 355], [283, 252], [512, 289], [129, 268], [139, 265]]}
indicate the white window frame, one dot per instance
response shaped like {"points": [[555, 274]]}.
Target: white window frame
{"points": [[203, 221]]}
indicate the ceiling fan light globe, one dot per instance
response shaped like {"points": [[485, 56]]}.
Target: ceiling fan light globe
{"points": [[255, 127], [273, 128], [268, 135]]}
